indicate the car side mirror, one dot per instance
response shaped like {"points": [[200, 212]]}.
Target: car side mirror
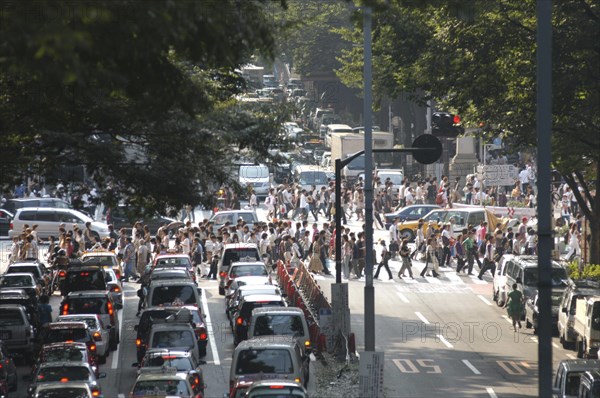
{"points": [[101, 375], [199, 291]]}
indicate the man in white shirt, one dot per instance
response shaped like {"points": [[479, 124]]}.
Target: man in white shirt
{"points": [[409, 198], [524, 179], [420, 196]]}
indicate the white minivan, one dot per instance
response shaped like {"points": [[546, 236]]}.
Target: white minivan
{"points": [[49, 219], [257, 176]]}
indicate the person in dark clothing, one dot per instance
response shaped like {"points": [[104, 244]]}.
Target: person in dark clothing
{"points": [[385, 258]]}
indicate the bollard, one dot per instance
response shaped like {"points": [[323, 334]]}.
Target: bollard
{"points": [[351, 344]]}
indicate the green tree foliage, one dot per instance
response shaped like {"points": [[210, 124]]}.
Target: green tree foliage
{"points": [[309, 34], [138, 92], [479, 58]]}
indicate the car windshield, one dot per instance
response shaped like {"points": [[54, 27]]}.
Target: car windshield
{"points": [[572, 383], [88, 305], [396, 179], [63, 354], [27, 269], [173, 262], [288, 325], [62, 335], [173, 295], [170, 361], [233, 255], [91, 322], [86, 280], [439, 216], [249, 306], [64, 392], [313, 178], [11, 318], [248, 270], [100, 260], [358, 163], [157, 388], [531, 276], [63, 374], [16, 281], [265, 360], [173, 338]]}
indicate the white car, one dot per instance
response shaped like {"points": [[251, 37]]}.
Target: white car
{"points": [[499, 284], [100, 332], [49, 220]]}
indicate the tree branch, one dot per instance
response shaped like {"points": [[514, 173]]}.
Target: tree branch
{"points": [[588, 10], [584, 185], [504, 11], [583, 206]]}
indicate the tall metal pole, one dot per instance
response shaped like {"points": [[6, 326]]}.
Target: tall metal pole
{"points": [[367, 111], [545, 239], [338, 221]]}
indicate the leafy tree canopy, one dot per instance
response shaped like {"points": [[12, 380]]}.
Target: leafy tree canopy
{"points": [[138, 92]]}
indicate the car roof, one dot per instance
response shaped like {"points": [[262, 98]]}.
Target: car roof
{"points": [[162, 351], [89, 293], [580, 364], [278, 310], [12, 306], [170, 326], [173, 282], [57, 386], [63, 344], [19, 274], [67, 325], [249, 279], [240, 245], [265, 286], [267, 342], [262, 297], [171, 255], [79, 316], [98, 253], [64, 363], [268, 383], [242, 263], [161, 374]]}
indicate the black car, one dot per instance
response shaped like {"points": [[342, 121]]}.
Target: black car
{"points": [[409, 213], [84, 277], [121, 217]]}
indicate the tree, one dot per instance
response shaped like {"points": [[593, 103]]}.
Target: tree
{"points": [[479, 59], [138, 92]]}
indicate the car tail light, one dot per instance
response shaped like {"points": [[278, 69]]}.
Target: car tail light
{"points": [[65, 309], [64, 379], [138, 342], [62, 274], [223, 274], [307, 344], [95, 392], [92, 347], [115, 289], [11, 226], [109, 308], [97, 336], [203, 336], [297, 380], [239, 321], [278, 387]]}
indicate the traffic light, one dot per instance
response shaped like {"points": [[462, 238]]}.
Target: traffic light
{"points": [[444, 124]]}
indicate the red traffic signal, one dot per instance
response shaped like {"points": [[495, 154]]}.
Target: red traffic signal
{"points": [[444, 124]]}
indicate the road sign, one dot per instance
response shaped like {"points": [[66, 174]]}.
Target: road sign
{"points": [[370, 374], [498, 174]]}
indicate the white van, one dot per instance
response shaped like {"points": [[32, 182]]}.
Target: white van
{"points": [[49, 219], [309, 175], [257, 176], [336, 128]]}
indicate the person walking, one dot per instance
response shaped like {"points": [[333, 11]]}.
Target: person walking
{"points": [[470, 250], [406, 263], [459, 252], [573, 242], [129, 260], [488, 259], [385, 258], [514, 306], [419, 241], [346, 256], [315, 265], [431, 258]]}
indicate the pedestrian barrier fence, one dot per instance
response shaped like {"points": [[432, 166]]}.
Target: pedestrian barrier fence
{"points": [[303, 292]]}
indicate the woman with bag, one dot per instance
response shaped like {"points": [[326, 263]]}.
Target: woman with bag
{"points": [[431, 258], [419, 240], [315, 265], [385, 258], [406, 263]]}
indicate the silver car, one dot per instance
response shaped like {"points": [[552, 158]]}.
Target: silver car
{"points": [[100, 332]]}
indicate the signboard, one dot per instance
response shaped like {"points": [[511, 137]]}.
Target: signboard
{"points": [[370, 374], [498, 174]]}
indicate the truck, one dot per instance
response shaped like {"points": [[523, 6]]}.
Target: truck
{"points": [[345, 144], [587, 327]]}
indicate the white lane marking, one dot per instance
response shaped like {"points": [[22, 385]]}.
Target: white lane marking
{"points": [[525, 364], [491, 392], [534, 339], [422, 318], [570, 356], [121, 396], [434, 281], [507, 319], [555, 345], [484, 299], [470, 366], [454, 278], [115, 359], [402, 297], [209, 330], [446, 342]]}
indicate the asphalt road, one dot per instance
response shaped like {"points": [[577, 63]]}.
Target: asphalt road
{"points": [[440, 337]]}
